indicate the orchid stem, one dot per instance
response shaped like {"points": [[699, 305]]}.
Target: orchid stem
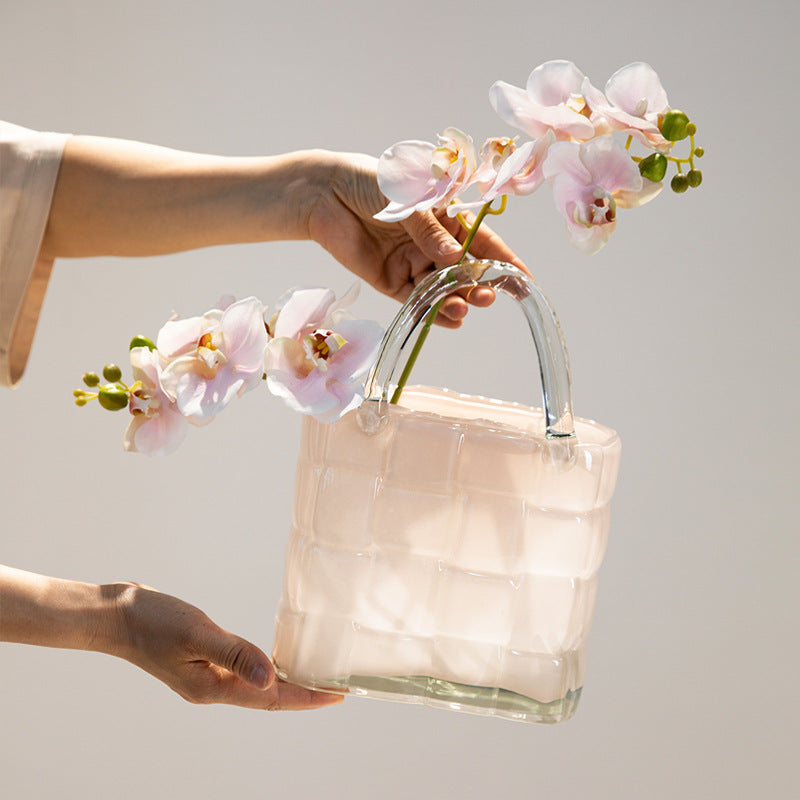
{"points": [[412, 359], [464, 223]]}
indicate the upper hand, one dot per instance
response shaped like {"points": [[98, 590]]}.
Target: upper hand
{"points": [[181, 646], [393, 257]]}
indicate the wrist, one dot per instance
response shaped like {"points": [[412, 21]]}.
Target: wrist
{"points": [[306, 177], [113, 634]]}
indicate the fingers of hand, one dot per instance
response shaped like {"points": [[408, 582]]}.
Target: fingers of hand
{"points": [[432, 238], [221, 686], [240, 657], [288, 697]]}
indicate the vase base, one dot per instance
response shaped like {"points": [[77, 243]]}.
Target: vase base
{"points": [[437, 693]]}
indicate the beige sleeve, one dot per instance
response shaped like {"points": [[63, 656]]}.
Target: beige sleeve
{"points": [[29, 163]]}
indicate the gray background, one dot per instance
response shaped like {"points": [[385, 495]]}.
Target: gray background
{"points": [[682, 334]]}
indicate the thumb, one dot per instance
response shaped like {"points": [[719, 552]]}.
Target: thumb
{"points": [[240, 657], [432, 238]]}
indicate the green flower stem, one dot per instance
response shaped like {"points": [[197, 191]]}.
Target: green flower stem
{"points": [[412, 359], [464, 223]]}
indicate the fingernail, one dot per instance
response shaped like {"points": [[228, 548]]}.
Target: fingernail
{"points": [[258, 676]]}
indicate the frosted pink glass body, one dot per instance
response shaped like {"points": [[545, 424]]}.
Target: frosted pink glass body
{"points": [[449, 558]]}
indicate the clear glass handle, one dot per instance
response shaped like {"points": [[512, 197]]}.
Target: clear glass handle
{"points": [[547, 337]]}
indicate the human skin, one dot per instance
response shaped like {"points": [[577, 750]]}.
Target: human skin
{"points": [[170, 639], [122, 198]]}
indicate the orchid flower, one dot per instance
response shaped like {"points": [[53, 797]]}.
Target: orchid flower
{"points": [[590, 180], [507, 169], [494, 152], [319, 353], [418, 176], [556, 98], [213, 359], [157, 427], [635, 104], [521, 171]]}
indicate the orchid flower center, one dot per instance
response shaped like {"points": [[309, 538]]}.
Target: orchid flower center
{"points": [[601, 211], [321, 345], [641, 108], [144, 404], [443, 159], [499, 150], [577, 103], [210, 351]]}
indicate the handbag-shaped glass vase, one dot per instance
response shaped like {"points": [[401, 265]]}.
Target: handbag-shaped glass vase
{"points": [[444, 550]]}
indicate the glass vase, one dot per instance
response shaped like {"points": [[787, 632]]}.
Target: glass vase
{"points": [[445, 550]]}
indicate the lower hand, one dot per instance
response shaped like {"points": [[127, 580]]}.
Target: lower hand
{"points": [[183, 648]]}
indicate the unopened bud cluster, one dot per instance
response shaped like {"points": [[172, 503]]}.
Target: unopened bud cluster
{"points": [[115, 394], [675, 127]]}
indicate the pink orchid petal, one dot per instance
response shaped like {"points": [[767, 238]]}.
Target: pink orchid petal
{"points": [[563, 158], [159, 435], [357, 356], [610, 165], [564, 120], [306, 395], [348, 397], [514, 106], [650, 136], [404, 171], [553, 82], [179, 336], [567, 193], [590, 240], [145, 365], [197, 398], [172, 373], [303, 310], [285, 355], [396, 212], [633, 199], [592, 95], [631, 84], [244, 334], [454, 209]]}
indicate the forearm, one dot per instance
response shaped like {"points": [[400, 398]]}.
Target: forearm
{"points": [[116, 197], [35, 609]]}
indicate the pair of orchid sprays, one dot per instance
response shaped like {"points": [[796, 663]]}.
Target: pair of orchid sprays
{"points": [[310, 350]]}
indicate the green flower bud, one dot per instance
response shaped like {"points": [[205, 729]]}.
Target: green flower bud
{"points": [[691, 129], [142, 341], [91, 379], [80, 401], [699, 152], [695, 178], [654, 167], [674, 126], [679, 183], [112, 397], [111, 372]]}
